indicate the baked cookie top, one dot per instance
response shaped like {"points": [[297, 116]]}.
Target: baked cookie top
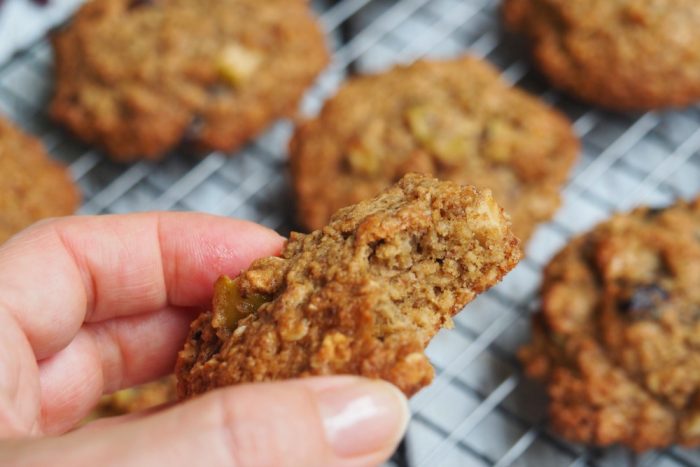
{"points": [[141, 77], [618, 337], [32, 186], [453, 119], [619, 54], [363, 295]]}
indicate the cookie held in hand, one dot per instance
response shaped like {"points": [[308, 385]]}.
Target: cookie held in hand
{"points": [[363, 295]]}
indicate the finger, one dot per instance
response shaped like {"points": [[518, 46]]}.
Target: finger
{"points": [[110, 421], [306, 422], [105, 357], [19, 385], [319, 384], [60, 273]]}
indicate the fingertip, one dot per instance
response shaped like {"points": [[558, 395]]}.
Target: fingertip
{"points": [[338, 420], [363, 419], [198, 248]]}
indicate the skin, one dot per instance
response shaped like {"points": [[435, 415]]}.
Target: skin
{"points": [[89, 305]]}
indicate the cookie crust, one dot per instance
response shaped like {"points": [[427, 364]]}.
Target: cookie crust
{"points": [[618, 335], [363, 295], [618, 54], [141, 77], [454, 119], [33, 186]]}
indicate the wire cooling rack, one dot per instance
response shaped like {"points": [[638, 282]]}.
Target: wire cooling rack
{"points": [[480, 410]]}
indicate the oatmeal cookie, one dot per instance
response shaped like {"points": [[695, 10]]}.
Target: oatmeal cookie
{"points": [[456, 120], [136, 399], [618, 54], [140, 77], [363, 295], [33, 186], [618, 337]]}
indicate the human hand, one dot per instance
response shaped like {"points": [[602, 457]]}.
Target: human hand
{"points": [[89, 305]]}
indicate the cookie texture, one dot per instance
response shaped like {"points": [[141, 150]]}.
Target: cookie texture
{"points": [[618, 54], [141, 77], [618, 337], [456, 120], [363, 295], [136, 399], [32, 186]]}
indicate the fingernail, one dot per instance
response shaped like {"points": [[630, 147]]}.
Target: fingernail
{"points": [[363, 417]]}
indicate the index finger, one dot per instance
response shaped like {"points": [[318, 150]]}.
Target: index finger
{"points": [[61, 273]]}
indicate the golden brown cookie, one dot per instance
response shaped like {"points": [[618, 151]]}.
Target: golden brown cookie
{"points": [[362, 296], [453, 119], [140, 77], [618, 337], [136, 399], [32, 186], [618, 54]]}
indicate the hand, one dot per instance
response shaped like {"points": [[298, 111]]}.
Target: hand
{"points": [[89, 305]]}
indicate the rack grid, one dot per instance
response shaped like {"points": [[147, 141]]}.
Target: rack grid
{"points": [[480, 410]]}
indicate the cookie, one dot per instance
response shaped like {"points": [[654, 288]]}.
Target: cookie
{"points": [[362, 296], [618, 338], [618, 54], [141, 77], [455, 119], [136, 399], [32, 186]]}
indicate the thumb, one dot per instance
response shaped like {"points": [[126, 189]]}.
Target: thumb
{"points": [[335, 421]]}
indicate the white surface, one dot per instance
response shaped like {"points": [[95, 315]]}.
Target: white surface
{"points": [[23, 22]]}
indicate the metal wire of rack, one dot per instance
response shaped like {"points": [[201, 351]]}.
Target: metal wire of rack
{"points": [[480, 410]]}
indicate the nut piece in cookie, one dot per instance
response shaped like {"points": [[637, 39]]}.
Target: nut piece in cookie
{"points": [[618, 54], [139, 78], [363, 295], [618, 338], [32, 186], [454, 119]]}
